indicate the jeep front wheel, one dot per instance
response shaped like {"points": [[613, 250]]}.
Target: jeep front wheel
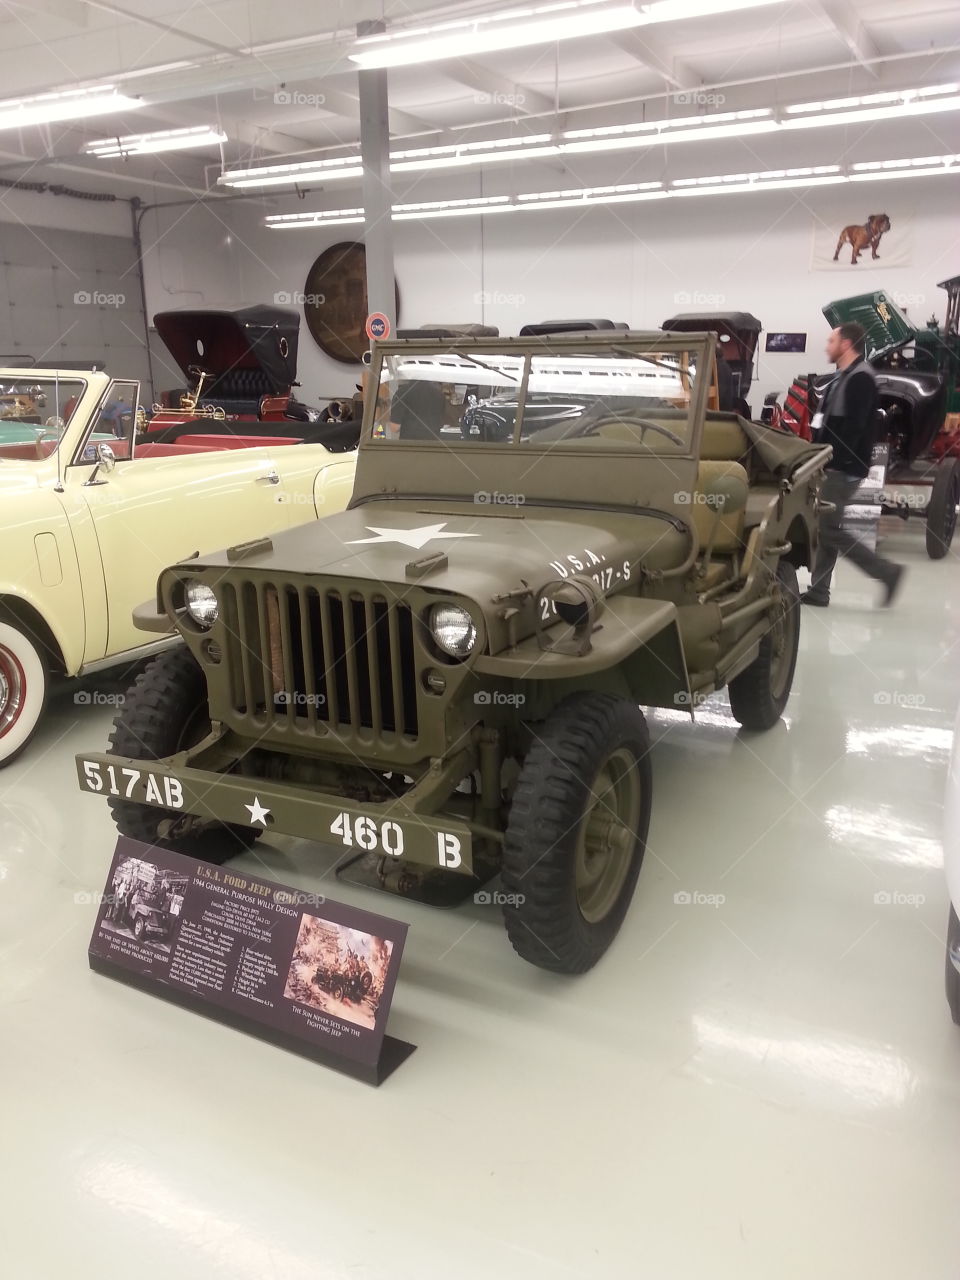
{"points": [[165, 712], [759, 694], [577, 832]]}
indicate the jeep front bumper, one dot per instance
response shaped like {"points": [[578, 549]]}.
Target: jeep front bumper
{"points": [[391, 829]]}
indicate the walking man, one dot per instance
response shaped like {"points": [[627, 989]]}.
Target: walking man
{"points": [[846, 420]]}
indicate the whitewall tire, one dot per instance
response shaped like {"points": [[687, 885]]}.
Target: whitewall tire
{"points": [[23, 690]]}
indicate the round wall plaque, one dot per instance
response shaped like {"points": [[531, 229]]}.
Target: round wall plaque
{"points": [[335, 302]]}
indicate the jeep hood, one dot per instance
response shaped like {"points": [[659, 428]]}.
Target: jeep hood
{"points": [[477, 552]]}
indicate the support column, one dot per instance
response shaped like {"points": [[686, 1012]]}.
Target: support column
{"points": [[377, 194]]}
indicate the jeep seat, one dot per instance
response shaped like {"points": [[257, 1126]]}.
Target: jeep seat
{"points": [[723, 438]]}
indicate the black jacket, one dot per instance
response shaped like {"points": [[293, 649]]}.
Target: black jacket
{"points": [[849, 419]]}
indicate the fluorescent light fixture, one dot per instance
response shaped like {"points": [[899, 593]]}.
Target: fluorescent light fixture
{"points": [[873, 99], [66, 104], [616, 137], [138, 144], [519, 28], [512, 29], [630, 193]]}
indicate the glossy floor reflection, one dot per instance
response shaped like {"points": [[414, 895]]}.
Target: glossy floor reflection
{"points": [[760, 1080]]}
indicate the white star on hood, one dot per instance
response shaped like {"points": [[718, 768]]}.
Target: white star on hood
{"points": [[409, 537], [257, 812]]}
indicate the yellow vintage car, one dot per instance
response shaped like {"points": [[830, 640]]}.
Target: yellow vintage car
{"points": [[93, 508]]}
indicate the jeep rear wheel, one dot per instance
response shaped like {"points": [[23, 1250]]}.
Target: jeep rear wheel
{"points": [[165, 712], [952, 975], [23, 690], [759, 694], [577, 832]]}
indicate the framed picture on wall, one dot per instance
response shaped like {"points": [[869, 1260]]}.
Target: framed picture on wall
{"points": [[792, 342]]}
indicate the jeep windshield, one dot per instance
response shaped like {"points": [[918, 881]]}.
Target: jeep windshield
{"points": [[34, 413], [612, 397]]}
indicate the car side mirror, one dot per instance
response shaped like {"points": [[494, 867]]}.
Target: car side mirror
{"points": [[726, 495], [106, 461]]}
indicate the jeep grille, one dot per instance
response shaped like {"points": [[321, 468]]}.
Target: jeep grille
{"points": [[299, 656]]}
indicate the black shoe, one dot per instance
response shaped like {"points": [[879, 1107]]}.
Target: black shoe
{"points": [[817, 601], [892, 586]]}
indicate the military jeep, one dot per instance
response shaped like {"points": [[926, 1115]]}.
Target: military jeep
{"points": [[447, 678]]}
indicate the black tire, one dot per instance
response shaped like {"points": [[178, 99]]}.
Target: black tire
{"points": [[337, 990], [942, 508], [164, 712], [138, 927], [366, 982], [759, 694], [952, 977], [565, 914]]}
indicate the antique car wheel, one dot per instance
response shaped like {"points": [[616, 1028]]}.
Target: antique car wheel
{"points": [[759, 694], [337, 990], [577, 831], [23, 690], [942, 508], [138, 927], [951, 975], [366, 982], [165, 712]]}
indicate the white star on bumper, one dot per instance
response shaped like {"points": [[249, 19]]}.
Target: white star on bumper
{"points": [[410, 537], [257, 812]]}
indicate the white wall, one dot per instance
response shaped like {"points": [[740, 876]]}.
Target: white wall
{"points": [[639, 263]]}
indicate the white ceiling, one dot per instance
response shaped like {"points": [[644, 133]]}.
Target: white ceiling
{"points": [[275, 77]]}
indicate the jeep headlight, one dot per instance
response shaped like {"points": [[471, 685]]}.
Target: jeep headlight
{"points": [[453, 629], [202, 603]]}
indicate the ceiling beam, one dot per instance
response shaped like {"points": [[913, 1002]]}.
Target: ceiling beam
{"points": [[652, 53], [490, 87], [847, 23], [345, 104]]}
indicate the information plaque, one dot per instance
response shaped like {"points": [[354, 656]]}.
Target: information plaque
{"points": [[289, 966]]}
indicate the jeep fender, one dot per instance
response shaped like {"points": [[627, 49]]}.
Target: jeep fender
{"points": [[639, 636]]}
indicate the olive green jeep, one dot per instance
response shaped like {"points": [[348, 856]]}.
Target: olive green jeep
{"points": [[446, 679]]}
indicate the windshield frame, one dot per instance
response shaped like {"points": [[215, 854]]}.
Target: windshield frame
{"points": [[619, 345], [47, 379]]}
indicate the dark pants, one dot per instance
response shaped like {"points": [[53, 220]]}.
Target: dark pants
{"points": [[837, 540]]}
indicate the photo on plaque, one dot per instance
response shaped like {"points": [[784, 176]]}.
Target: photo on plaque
{"points": [[338, 970], [145, 902]]}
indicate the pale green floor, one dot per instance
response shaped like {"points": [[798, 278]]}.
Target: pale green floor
{"points": [[765, 1088]]}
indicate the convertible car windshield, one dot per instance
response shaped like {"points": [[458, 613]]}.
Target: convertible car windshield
{"points": [[611, 398], [34, 412]]}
